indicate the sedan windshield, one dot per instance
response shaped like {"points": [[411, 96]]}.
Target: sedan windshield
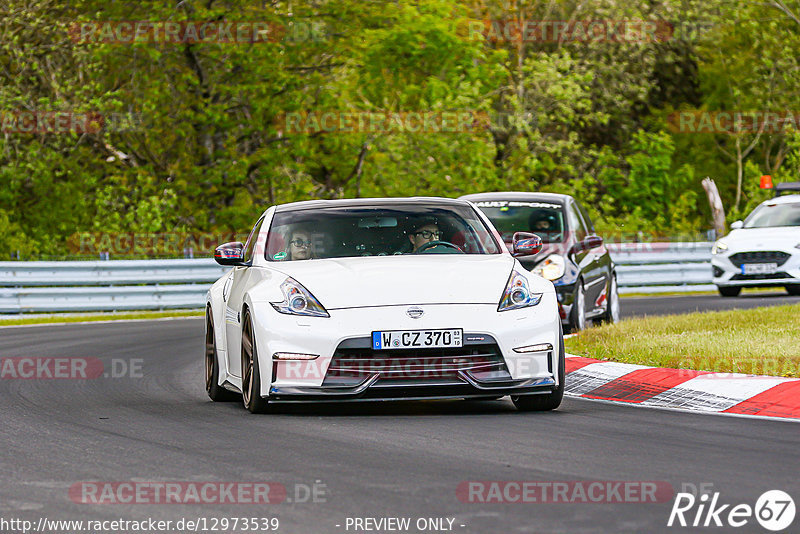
{"points": [[774, 215], [542, 218], [392, 229]]}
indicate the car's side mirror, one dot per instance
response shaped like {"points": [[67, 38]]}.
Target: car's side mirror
{"points": [[525, 244], [735, 225], [230, 253], [593, 241]]}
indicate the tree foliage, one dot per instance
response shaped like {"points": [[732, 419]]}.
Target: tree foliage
{"points": [[201, 144]]}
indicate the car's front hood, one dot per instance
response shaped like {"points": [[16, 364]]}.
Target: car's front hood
{"points": [[754, 239], [395, 280]]}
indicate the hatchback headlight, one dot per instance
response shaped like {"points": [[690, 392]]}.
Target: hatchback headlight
{"points": [[297, 300], [719, 247], [552, 268], [517, 294]]}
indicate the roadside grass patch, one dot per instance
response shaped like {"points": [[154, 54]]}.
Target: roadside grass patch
{"points": [[79, 318], [761, 341]]}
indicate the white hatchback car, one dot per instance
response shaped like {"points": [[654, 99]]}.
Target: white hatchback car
{"points": [[378, 299], [762, 251]]}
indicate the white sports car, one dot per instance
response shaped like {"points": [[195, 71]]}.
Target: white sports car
{"points": [[381, 299], [762, 251]]}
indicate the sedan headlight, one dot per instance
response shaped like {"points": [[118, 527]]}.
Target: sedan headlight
{"points": [[552, 267], [297, 300], [517, 294], [719, 247]]}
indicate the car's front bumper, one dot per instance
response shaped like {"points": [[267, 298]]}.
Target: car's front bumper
{"points": [[346, 367], [727, 268]]}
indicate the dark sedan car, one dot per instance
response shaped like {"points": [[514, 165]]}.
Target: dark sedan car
{"points": [[573, 257]]}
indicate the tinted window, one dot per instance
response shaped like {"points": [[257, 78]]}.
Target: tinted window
{"points": [[542, 218], [770, 215], [576, 223], [586, 218], [394, 229]]}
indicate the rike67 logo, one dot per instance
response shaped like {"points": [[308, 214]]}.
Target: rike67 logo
{"points": [[774, 510]]}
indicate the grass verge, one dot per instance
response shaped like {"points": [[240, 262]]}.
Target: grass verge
{"points": [[79, 318], [763, 341]]}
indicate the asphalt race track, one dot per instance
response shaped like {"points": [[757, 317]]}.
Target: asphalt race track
{"points": [[376, 460]]}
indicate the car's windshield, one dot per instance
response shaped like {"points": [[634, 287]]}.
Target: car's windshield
{"points": [[772, 215], [542, 218], [393, 229]]}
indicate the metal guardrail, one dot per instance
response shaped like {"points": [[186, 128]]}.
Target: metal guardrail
{"points": [[76, 286], [663, 267]]}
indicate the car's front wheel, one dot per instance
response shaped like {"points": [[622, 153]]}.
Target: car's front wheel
{"points": [[216, 392], [251, 375], [549, 401], [729, 291], [612, 305], [577, 316]]}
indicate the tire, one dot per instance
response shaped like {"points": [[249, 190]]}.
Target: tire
{"points": [[251, 375], [612, 307], [729, 291], [793, 289], [577, 316], [549, 401], [216, 392]]}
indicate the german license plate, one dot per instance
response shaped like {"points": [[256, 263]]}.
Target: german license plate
{"points": [[759, 268], [417, 339]]}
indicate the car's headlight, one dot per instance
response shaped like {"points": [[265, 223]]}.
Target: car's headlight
{"points": [[552, 267], [297, 300], [517, 294], [719, 247]]}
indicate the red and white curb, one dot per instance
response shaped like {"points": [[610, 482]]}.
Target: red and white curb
{"points": [[682, 389]]}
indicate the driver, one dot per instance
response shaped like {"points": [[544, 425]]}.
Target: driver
{"points": [[426, 233]]}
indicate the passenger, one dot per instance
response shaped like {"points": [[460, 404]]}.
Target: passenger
{"points": [[299, 246]]}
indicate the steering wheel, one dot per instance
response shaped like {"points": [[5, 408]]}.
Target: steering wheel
{"points": [[432, 244]]}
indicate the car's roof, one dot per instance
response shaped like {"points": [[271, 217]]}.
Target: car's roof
{"points": [[366, 203], [783, 199], [518, 195]]}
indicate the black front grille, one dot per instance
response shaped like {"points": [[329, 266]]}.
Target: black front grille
{"points": [[773, 276], [351, 366], [761, 256]]}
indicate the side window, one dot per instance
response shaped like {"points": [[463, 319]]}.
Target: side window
{"points": [[251, 241], [587, 219], [576, 222]]}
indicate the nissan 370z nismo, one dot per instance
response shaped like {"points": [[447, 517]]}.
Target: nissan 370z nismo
{"points": [[381, 299]]}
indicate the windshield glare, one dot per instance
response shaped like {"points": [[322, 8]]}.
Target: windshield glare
{"points": [[542, 218], [774, 215], [395, 229]]}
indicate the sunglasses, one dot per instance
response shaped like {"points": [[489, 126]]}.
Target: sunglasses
{"points": [[427, 234], [300, 243]]}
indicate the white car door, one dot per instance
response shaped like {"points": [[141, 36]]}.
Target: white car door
{"points": [[233, 294]]}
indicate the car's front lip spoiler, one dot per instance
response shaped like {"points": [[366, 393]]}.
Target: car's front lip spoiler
{"points": [[470, 387]]}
